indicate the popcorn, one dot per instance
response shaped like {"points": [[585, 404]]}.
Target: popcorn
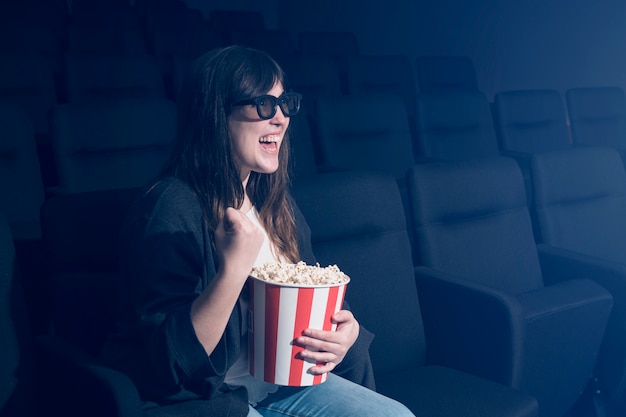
{"points": [[300, 274]]}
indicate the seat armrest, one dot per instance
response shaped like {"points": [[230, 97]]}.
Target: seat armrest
{"points": [[522, 158], [469, 327], [561, 265], [72, 383]]}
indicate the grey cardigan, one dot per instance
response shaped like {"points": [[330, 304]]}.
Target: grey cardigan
{"points": [[167, 259]]}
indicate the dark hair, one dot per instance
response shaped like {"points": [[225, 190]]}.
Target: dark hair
{"points": [[202, 156]]}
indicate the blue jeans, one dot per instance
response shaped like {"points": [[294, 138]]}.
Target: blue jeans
{"points": [[337, 397]]}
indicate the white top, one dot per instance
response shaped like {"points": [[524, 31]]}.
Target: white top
{"points": [[239, 373]]}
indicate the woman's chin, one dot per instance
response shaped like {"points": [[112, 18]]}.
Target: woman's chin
{"points": [[267, 169]]}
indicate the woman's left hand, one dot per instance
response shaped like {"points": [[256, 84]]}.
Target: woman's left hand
{"points": [[329, 348]]}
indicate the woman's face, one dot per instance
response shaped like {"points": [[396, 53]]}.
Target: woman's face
{"points": [[256, 142]]}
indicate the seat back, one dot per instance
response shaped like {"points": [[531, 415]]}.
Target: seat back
{"points": [[597, 116], [50, 15], [471, 220], [167, 16], [187, 42], [225, 22], [363, 77], [17, 37], [444, 73], [328, 43], [311, 76], [580, 200], [20, 174], [80, 240], [364, 132], [16, 361], [104, 14], [336, 45], [111, 145], [454, 125], [105, 41], [531, 121], [100, 78], [302, 156], [272, 41], [357, 222], [29, 81]]}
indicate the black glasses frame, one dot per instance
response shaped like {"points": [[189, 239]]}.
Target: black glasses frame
{"points": [[276, 101]]}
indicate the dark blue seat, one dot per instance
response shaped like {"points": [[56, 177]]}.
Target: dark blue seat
{"points": [[21, 180], [106, 145], [445, 73], [580, 207], [17, 370], [363, 73], [488, 307], [79, 234], [93, 78], [597, 116], [28, 79], [454, 125], [357, 222], [364, 132], [529, 122]]}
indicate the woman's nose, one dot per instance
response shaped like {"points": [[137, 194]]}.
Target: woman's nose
{"points": [[279, 117]]}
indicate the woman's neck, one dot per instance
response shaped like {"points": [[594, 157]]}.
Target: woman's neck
{"points": [[246, 205]]}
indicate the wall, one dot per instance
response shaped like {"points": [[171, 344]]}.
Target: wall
{"points": [[514, 44], [267, 7]]}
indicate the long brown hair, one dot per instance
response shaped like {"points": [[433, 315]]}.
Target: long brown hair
{"points": [[202, 156]]}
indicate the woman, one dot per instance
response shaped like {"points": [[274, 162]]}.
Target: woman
{"points": [[221, 207]]}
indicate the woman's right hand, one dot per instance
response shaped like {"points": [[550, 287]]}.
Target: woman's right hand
{"points": [[237, 242]]}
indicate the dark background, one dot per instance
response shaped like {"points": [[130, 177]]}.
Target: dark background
{"points": [[530, 44]]}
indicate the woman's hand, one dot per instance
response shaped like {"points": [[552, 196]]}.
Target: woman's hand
{"points": [[329, 348], [237, 242]]}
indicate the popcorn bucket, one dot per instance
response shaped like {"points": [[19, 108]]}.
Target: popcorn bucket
{"points": [[278, 313]]}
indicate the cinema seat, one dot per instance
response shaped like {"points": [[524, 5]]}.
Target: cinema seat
{"points": [[445, 73], [17, 370], [598, 116], [21, 182], [454, 125], [106, 145], [357, 222], [489, 308], [28, 79], [363, 77], [529, 122], [93, 78], [364, 132], [79, 234], [580, 206]]}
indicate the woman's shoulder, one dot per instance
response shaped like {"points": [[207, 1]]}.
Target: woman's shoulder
{"points": [[167, 186], [169, 201]]}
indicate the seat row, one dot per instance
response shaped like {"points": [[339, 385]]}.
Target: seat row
{"points": [[486, 314], [80, 238], [30, 77], [123, 143]]}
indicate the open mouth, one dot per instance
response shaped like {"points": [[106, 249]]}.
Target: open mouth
{"points": [[269, 143]]}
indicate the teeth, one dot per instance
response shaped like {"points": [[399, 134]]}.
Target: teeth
{"points": [[268, 139]]}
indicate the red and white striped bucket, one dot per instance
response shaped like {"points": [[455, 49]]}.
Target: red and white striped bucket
{"points": [[278, 314]]}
